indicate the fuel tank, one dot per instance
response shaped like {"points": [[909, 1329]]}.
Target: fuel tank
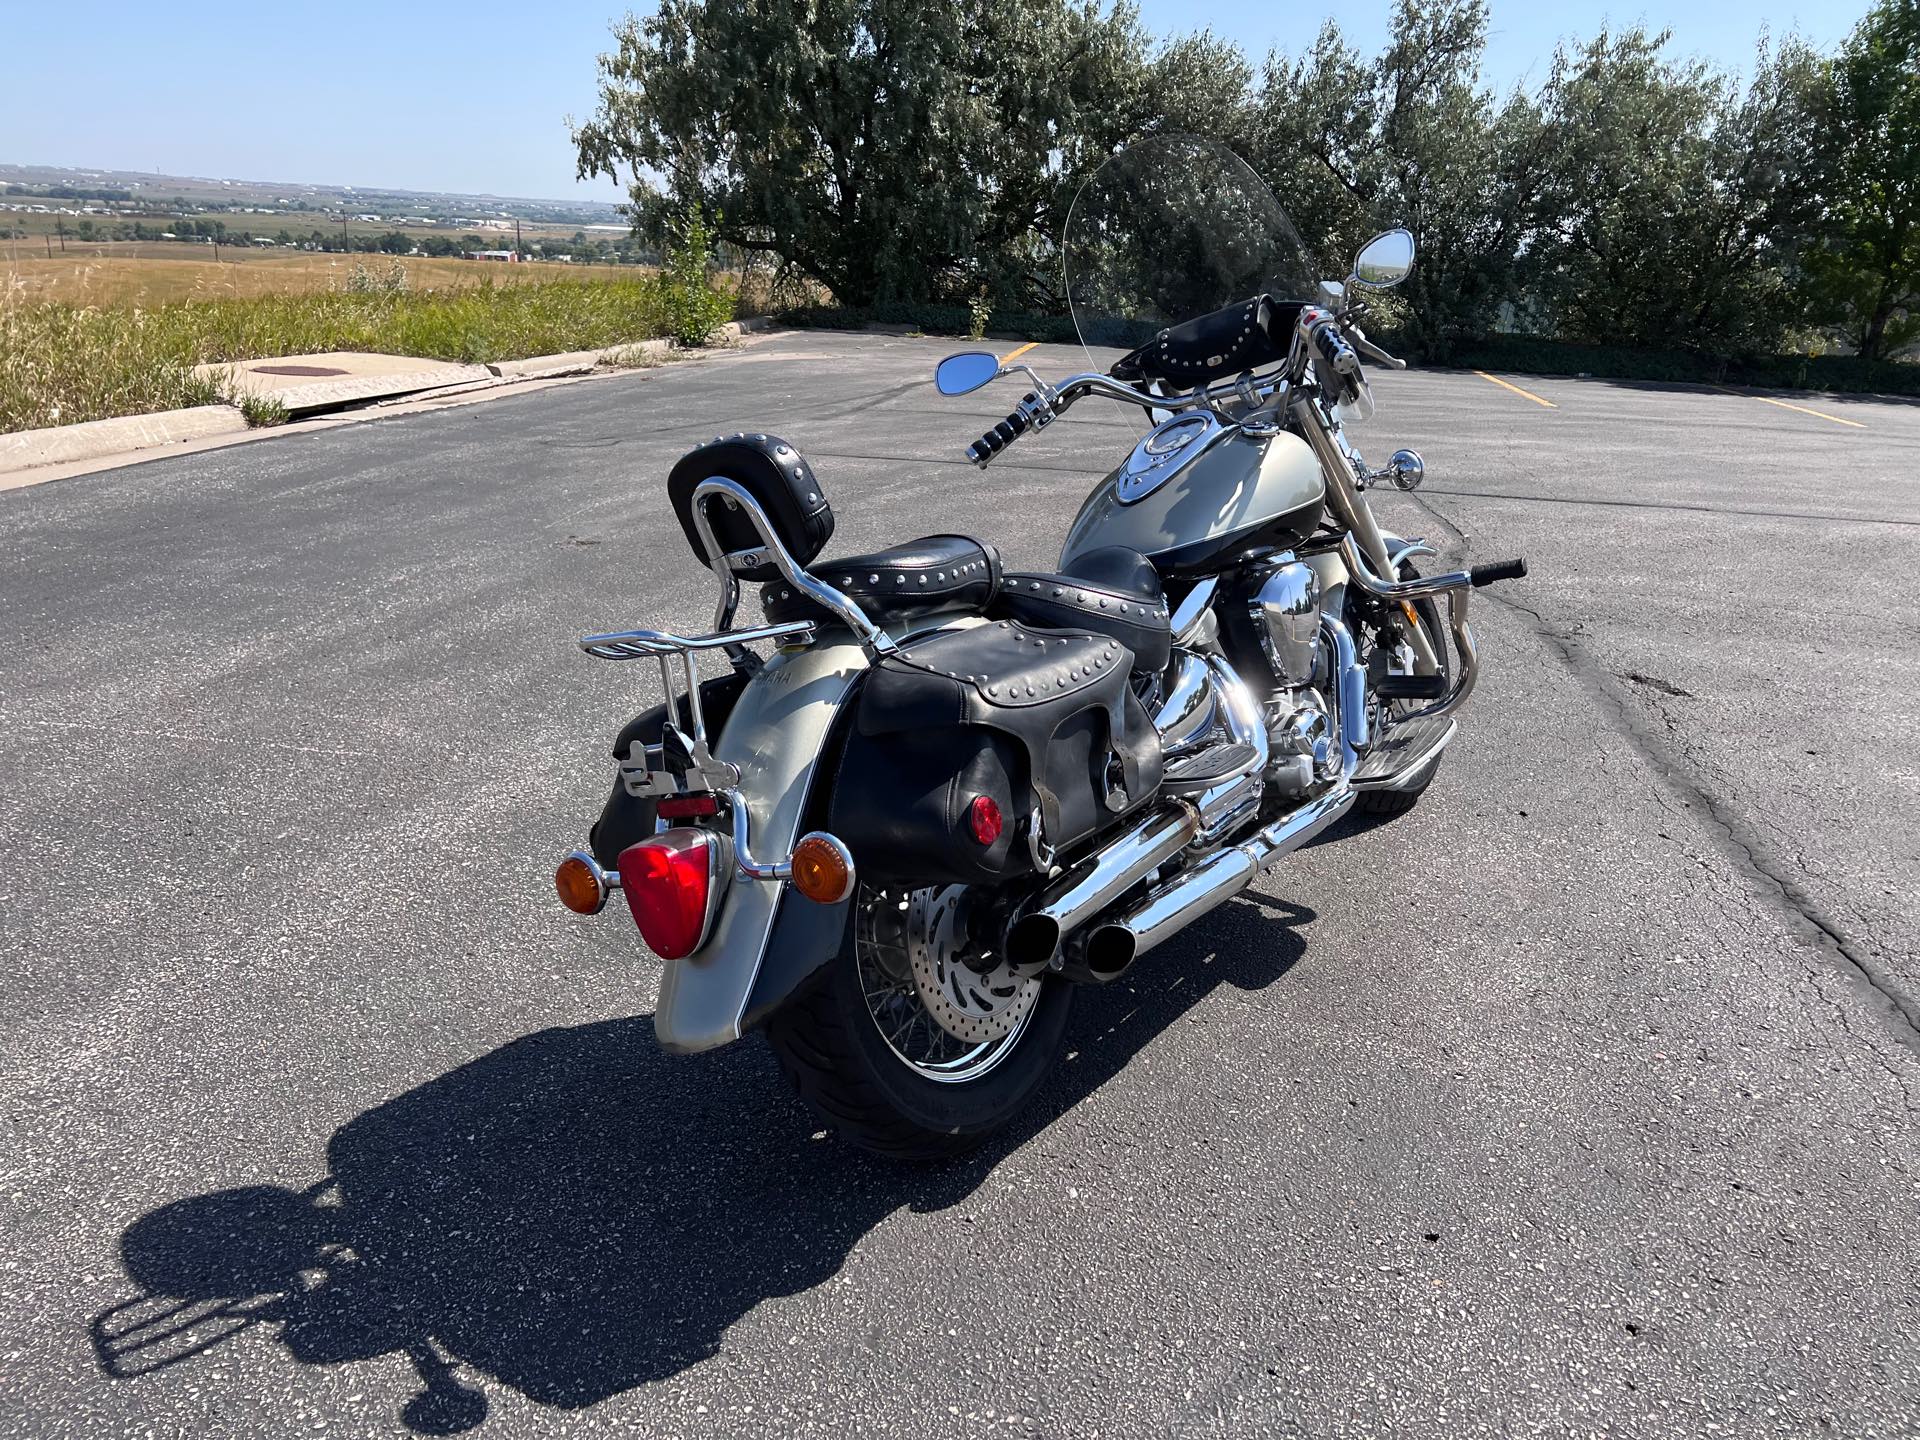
{"points": [[1197, 489]]}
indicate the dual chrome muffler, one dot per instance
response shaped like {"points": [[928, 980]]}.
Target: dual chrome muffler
{"points": [[1033, 939], [1114, 944], [1109, 948]]}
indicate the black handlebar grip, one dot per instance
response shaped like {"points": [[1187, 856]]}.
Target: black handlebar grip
{"points": [[998, 438], [1334, 348], [1498, 570]]}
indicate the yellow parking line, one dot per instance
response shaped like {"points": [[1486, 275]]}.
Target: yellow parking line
{"points": [[1012, 355], [1496, 380], [1817, 414]]}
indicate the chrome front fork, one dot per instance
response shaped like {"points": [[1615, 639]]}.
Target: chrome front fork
{"points": [[1357, 517]]}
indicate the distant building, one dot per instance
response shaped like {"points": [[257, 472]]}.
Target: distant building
{"points": [[506, 255]]}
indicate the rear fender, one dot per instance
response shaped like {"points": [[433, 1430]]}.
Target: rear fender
{"points": [[775, 736], [767, 940]]}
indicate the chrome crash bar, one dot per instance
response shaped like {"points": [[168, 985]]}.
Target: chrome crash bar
{"points": [[1456, 586]]}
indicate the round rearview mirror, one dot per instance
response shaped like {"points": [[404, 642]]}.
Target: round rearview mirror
{"points": [[966, 372], [1384, 260]]}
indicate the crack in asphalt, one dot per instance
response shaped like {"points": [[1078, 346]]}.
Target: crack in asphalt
{"points": [[1680, 505], [1901, 1011], [1742, 842], [1654, 682]]}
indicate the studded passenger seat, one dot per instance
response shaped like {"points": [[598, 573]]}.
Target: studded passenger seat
{"points": [[903, 582]]}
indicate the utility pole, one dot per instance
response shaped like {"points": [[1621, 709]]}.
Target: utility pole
{"points": [[344, 245], [61, 226], [517, 255]]}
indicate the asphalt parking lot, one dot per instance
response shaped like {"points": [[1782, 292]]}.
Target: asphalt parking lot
{"points": [[1578, 1102]]}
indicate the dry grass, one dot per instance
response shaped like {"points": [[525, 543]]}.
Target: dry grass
{"points": [[63, 363], [159, 272]]}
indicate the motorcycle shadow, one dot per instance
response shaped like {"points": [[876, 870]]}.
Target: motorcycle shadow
{"points": [[576, 1213]]}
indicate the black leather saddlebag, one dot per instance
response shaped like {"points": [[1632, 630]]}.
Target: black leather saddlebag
{"points": [[1037, 721]]}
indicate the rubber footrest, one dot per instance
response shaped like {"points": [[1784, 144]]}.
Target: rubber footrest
{"points": [[1402, 750], [1201, 768]]}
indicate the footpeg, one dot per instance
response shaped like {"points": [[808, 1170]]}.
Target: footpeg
{"points": [[1497, 571], [1411, 687], [1206, 767]]}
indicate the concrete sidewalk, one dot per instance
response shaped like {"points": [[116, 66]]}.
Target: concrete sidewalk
{"points": [[315, 385], [308, 383]]}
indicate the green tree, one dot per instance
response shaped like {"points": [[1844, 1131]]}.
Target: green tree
{"points": [[1678, 204], [695, 306], [1867, 273], [886, 148], [1410, 138]]}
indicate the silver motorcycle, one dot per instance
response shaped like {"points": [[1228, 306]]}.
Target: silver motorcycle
{"points": [[948, 793]]}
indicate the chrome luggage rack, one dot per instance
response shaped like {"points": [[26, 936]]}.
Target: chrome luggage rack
{"points": [[683, 763]]}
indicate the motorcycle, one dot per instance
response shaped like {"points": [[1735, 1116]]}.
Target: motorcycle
{"points": [[951, 793]]}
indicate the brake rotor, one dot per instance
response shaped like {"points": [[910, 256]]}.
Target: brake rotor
{"points": [[969, 1004]]}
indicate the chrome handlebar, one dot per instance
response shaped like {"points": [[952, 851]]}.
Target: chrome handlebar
{"points": [[1333, 339]]}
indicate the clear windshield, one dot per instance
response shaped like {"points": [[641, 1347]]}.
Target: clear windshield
{"points": [[1170, 227]]}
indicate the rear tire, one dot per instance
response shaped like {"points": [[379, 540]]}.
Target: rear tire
{"points": [[829, 1044]]}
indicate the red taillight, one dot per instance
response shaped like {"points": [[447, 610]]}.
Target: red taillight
{"points": [[668, 882], [683, 807], [984, 821]]}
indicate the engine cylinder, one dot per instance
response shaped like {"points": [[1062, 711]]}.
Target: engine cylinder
{"points": [[1286, 616]]}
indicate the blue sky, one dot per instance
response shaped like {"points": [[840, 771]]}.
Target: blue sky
{"points": [[471, 97]]}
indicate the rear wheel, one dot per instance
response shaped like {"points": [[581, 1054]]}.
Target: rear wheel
{"points": [[912, 1041]]}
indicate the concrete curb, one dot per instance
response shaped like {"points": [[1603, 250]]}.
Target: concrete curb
{"points": [[97, 439], [580, 362], [92, 439], [334, 394]]}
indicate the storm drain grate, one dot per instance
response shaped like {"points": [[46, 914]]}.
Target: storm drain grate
{"points": [[297, 370]]}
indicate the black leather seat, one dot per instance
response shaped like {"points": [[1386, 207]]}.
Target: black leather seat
{"points": [[902, 582], [1113, 591]]}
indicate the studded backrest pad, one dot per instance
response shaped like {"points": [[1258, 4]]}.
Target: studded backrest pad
{"points": [[774, 473], [1247, 335]]}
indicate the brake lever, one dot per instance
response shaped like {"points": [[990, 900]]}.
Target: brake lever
{"points": [[1372, 351]]}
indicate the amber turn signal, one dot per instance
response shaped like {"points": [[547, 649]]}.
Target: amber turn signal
{"points": [[579, 883], [822, 869]]}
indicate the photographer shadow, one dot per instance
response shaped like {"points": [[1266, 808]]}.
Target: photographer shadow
{"points": [[576, 1213]]}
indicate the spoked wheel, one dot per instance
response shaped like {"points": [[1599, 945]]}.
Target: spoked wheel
{"points": [[916, 1041]]}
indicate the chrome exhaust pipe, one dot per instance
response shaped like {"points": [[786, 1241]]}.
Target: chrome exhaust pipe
{"points": [[1113, 946], [1090, 887]]}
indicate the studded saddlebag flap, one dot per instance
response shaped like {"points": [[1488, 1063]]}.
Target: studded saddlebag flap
{"points": [[1037, 721]]}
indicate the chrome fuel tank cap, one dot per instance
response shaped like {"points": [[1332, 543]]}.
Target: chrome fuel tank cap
{"points": [[1168, 447]]}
